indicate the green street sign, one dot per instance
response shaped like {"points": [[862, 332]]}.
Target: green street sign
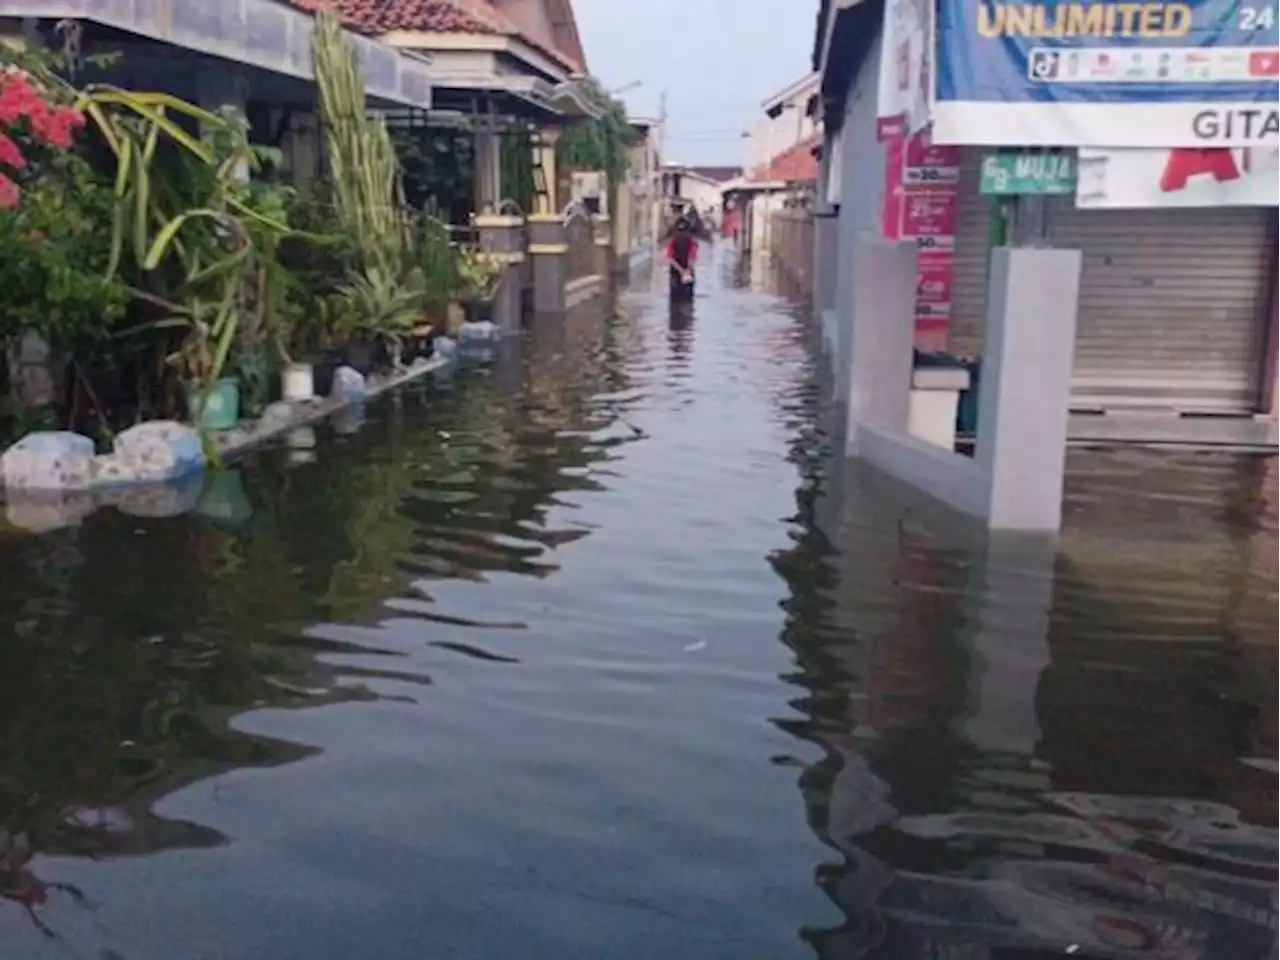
{"points": [[1026, 173]]}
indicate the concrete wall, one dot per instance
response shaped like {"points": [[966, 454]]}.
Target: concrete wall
{"points": [[770, 136], [861, 175], [701, 193], [826, 235]]}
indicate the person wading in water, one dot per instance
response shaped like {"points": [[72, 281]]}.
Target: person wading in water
{"points": [[682, 257]]}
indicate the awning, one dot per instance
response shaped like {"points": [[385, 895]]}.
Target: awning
{"points": [[571, 100], [531, 96]]}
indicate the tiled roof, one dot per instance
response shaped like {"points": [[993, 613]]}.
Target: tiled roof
{"points": [[718, 174], [376, 17], [434, 16], [796, 163]]}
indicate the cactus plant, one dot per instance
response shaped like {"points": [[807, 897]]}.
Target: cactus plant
{"points": [[362, 159]]}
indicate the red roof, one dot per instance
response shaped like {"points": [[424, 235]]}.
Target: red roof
{"points": [[376, 17], [796, 163]]}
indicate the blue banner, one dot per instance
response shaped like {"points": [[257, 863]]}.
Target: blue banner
{"points": [[1174, 60]]}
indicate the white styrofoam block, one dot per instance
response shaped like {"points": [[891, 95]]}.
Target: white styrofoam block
{"points": [[153, 452], [48, 460], [349, 383]]}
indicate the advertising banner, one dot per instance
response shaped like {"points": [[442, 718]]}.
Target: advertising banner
{"points": [[1201, 73], [1136, 179], [906, 65], [921, 203]]}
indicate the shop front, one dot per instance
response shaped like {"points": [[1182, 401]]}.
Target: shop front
{"points": [[1177, 302]]}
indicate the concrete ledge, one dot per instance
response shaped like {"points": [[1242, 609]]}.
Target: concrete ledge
{"points": [[950, 478], [583, 289], [497, 220], [283, 416], [109, 484]]}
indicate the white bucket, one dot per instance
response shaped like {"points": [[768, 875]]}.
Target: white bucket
{"points": [[297, 382]]}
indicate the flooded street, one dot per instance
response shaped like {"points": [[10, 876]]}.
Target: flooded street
{"points": [[594, 652]]}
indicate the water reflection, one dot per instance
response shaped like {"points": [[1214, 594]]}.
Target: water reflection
{"points": [[132, 642], [680, 331], [1033, 747], [487, 674]]}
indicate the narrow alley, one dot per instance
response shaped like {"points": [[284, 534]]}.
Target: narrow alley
{"points": [[593, 653]]}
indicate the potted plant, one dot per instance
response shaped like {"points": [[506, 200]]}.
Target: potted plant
{"points": [[213, 400], [385, 311], [479, 274]]}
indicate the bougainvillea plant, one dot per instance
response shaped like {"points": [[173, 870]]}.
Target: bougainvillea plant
{"points": [[26, 114]]}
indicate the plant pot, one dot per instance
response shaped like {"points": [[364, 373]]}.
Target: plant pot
{"points": [[297, 382], [478, 311], [217, 408]]}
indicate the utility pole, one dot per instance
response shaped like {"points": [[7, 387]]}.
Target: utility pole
{"points": [[662, 133], [659, 211]]}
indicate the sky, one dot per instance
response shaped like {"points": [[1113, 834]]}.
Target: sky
{"points": [[717, 60]]}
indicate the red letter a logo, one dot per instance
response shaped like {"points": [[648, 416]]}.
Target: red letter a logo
{"points": [[1184, 164]]}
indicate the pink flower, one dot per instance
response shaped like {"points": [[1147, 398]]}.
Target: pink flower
{"points": [[17, 98], [54, 126], [10, 155], [9, 193]]}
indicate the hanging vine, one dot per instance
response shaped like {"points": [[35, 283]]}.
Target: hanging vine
{"points": [[601, 143], [516, 160]]}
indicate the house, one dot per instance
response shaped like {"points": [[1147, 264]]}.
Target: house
{"points": [[1177, 301], [1147, 300], [253, 55], [501, 68], [701, 188], [781, 165], [644, 190]]}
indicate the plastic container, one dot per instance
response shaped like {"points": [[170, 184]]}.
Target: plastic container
{"points": [[217, 408], [297, 382], [967, 411]]}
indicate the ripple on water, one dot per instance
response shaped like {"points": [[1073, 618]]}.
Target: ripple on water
{"points": [[599, 655]]}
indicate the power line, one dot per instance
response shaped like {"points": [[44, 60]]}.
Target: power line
{"points": [[749, 106]]}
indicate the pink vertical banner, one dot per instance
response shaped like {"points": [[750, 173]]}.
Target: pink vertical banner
{"points": [[930, 215], [922, 203]]}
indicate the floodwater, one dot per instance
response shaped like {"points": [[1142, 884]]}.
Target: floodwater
{"points": [[593, 652]]}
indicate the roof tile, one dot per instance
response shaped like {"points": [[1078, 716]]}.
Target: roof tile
{"points": [[796, 163], [375, 17]]}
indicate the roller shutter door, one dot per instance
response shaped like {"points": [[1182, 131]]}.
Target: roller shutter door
{"points": [[1170, 306], [969, 281]]}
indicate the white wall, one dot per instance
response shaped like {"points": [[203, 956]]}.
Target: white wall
{"points": [[861, 173], [770, 136], [862, 155], [701, 193]]}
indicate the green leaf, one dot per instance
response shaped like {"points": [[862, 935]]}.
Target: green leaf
{"points": [[169, 231]]}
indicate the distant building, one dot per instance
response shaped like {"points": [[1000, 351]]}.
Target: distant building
{"points": [[781, 160]]}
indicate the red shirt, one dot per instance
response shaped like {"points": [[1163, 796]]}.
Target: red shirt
{"points": [[691, 250]]}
